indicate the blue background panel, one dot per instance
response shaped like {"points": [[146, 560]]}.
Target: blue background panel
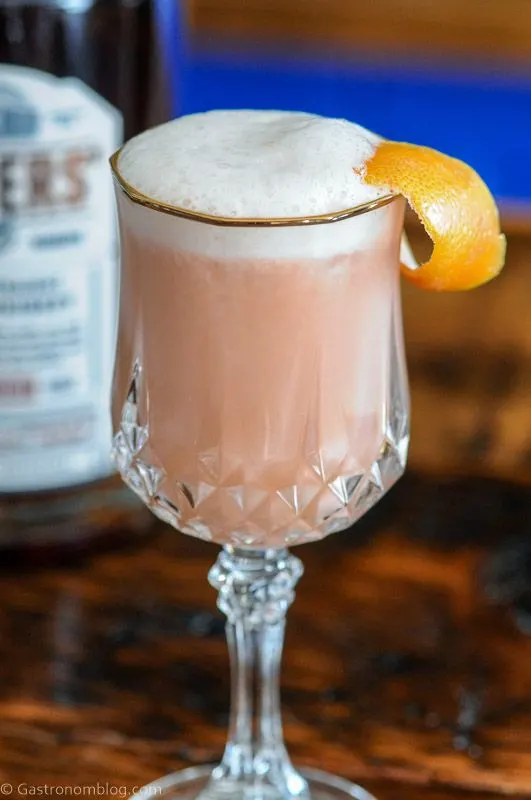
{"points": [[483, 118]]}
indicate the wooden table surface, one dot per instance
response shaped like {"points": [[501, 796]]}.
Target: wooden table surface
{"points": [[407, 662]]}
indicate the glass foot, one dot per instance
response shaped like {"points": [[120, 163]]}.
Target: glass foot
{"points": [[194, 784]]}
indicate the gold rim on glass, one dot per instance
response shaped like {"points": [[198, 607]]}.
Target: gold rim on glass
{"points": [[142, 199]]}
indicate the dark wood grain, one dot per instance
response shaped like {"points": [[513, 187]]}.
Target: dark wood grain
{"points": [[483, 29], [399, 671], [470, 368]]}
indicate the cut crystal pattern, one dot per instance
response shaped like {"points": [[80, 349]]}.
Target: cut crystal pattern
{"points": [[255, 596], [131, 455], [325, 500]]}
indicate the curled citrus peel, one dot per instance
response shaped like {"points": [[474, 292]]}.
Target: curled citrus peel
{"points": [[454, 206]]}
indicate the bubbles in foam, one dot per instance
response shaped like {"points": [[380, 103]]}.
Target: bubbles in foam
{"points": [[252, 163]]}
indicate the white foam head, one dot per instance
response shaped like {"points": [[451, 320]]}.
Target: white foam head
{"points": [[259, 164], [252, 163]]}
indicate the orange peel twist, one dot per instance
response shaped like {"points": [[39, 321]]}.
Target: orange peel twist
{"points": [[455, 207]]}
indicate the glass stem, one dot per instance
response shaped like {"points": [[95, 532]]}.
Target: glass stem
{"points": [[256, 588]]}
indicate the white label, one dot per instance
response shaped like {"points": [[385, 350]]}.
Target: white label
{"points": [[58, 280]]}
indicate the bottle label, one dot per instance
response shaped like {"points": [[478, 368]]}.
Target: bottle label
{"points": [[58, 280]]}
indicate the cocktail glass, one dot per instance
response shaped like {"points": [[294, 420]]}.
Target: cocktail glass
{"points": [[260, 401]]}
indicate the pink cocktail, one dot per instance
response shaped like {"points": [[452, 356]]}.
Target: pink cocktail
{"points": [[260, 395], [269, 387]]}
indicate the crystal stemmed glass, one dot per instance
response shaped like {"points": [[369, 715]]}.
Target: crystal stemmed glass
{"points": [[260, 401]]}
